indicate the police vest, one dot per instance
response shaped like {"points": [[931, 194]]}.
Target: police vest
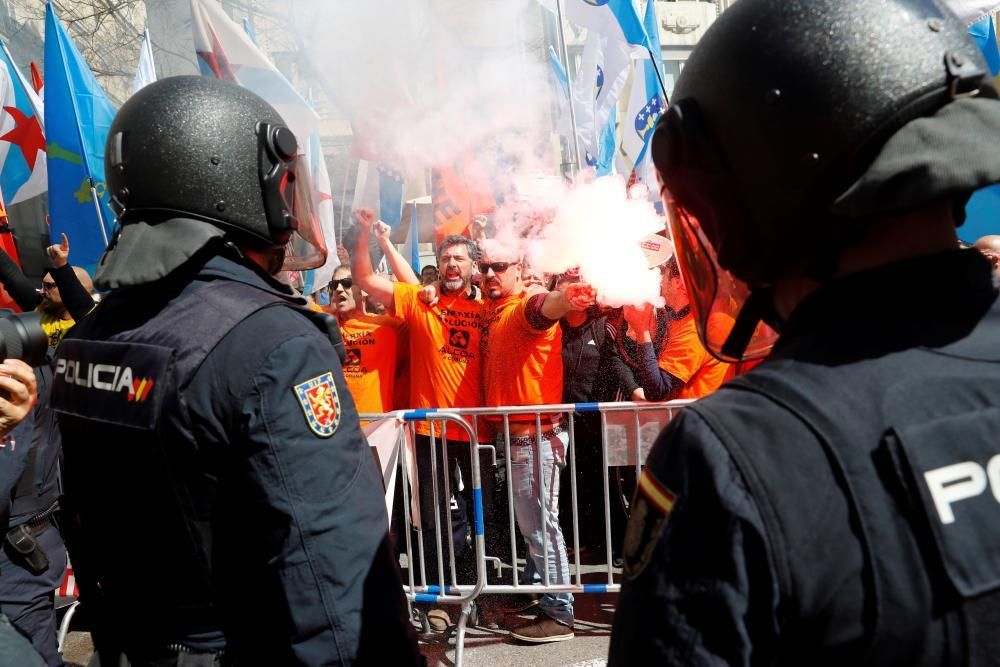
{"points": [[916, 451], [142, 544]]}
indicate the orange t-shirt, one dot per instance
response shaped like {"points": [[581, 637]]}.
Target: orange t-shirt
{"points": [[372, 344], [523, 365], [686, 358], [445, 352]]}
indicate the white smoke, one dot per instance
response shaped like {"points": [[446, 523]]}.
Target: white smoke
{"points": [[427, 83]]}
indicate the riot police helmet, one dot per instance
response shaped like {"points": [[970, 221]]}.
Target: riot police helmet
{"points": [[797, 123], [191, 161]]}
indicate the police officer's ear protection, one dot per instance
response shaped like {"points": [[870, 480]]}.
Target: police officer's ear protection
{"points": [[278, 150]]}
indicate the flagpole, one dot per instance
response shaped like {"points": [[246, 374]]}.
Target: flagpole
{"points": [[343, 203], [656, 68], [569, 83]]}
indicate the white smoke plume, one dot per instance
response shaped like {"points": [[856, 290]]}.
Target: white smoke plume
{"points": [[429, 82]]}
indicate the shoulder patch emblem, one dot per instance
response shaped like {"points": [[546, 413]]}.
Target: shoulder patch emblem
{"points": [[653, 505], [320, 403]]}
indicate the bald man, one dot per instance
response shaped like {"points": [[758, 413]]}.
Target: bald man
{"points": [[990, 247]]}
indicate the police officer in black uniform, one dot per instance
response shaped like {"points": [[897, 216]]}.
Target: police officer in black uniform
{"points": [[222, 505], [839, 504]]}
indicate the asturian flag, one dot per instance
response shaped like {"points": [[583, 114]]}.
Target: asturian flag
{"points": [[616, 19], [646, 104], [23, 173], [78, 117]]}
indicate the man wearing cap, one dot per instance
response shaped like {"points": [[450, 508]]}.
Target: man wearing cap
{"points": [[210, 441]]}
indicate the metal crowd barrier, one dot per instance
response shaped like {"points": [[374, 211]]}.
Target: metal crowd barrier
{"points": [[627, 430]]}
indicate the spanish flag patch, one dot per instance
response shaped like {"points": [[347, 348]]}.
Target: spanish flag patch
{"points": [[660, 496], [652, 507]]}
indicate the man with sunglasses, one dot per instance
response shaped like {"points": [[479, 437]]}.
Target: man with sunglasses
{"points": [[838, 504], [372, 343], [523, 364], [65, 294]]}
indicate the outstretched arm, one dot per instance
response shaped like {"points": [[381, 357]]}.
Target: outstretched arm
{"points": [[397, 263], [575, 296], [376, 286]]}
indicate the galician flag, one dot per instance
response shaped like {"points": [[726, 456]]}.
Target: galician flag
{"points": [[227, 52], [23, 173], [78, 116]]}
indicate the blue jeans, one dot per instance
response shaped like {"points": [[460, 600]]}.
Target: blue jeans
{"points": [[530, 493]]}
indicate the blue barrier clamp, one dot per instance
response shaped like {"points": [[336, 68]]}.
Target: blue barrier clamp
{"points": [[425, 598], [417, 415], [587, 407], [477, 503], [595, 588]]}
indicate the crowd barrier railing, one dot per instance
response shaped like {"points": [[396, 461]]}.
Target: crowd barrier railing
{"points": [[626, 432]]}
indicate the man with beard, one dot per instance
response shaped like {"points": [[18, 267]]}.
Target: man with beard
{"points": [[523, 361], [372, 343], [445, 372], [65, 295]]}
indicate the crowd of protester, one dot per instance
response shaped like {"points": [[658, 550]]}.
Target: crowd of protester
{"points": [[472, 331]]}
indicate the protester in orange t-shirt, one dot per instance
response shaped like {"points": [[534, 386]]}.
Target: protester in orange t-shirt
{"points": [[523, 364], [371, 343], [445, 355], [683, 368]]}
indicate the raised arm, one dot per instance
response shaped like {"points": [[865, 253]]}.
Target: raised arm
{"points": [[657, 384], [73, 283], [24, 293], [376, 286], [397, 263]]}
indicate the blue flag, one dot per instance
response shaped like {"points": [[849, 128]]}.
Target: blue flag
{"points": [[390, 195], [982, 213], [77, 118], [647, 104], [613, 18]]}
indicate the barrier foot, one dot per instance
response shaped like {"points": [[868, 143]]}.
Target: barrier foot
{"points": [[463, 621]]}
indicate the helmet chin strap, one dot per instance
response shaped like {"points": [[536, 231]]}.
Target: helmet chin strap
{"points": [[759, 307]]}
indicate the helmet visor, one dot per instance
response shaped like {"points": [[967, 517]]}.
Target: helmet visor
{"points": [[717, 296], [306, 248]]}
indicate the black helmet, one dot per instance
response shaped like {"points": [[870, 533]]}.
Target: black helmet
{"points": [[190, 159], [777, 117]]}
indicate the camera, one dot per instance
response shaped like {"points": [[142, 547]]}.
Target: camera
{"points": [[22, 337]]}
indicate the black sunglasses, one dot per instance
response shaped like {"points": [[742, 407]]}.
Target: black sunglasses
{"points": [[347, 283], [498, 267]]}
